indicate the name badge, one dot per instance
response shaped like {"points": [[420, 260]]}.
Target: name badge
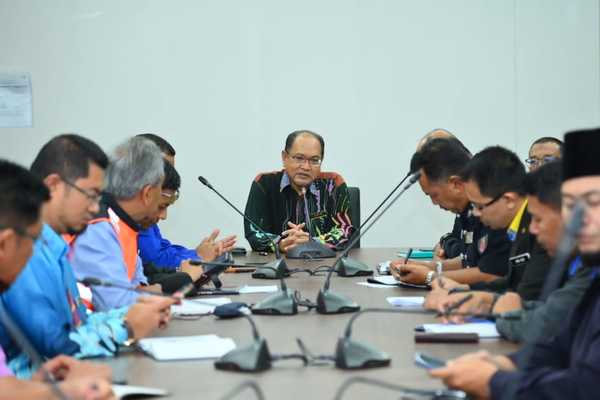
{"points": [[519, 259], [468, 237]]}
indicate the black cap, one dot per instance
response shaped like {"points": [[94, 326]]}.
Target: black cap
{"points": [[580, 154]]}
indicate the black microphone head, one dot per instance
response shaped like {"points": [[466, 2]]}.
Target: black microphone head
{"points": [[91, 281], [204, 181], [415, 177]]}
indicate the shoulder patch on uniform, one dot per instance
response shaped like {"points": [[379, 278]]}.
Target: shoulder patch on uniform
{"points": [[482, 244], [337, 178]]}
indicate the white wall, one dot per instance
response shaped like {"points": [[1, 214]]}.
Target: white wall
{"points": [[225, 81]]}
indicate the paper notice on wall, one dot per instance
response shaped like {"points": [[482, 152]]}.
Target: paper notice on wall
{"points": [[15, 101]]}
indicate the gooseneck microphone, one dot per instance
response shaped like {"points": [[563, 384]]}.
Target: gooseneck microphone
{"points": [[352, 267], [279, 265], [284, 301], [252, 358], [24, 344], [420, 393], [333, 303]]}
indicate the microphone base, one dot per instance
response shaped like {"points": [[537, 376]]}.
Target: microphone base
{"points": [[309, 250], [350, 267], [281, 303], [350, 354], [275, 269], [253, 358], [334, 303]]}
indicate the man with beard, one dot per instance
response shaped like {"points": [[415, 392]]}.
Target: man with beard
{"points": [[72, 168], [565, 365]]}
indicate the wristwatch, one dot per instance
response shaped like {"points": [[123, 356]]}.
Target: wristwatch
{"points": [[130, 335], [429, 278], [439, 268]]}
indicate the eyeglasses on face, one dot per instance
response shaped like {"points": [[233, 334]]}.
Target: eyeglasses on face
{"points": [[300, 159], [93, 197], [532, 161], [481, 207]]}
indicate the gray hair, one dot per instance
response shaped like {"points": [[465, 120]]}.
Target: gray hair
{"points": [[135, 164]]}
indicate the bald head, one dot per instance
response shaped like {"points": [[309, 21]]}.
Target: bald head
{"points": [[435, 134]]}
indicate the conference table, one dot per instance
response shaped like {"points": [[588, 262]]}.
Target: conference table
{"points": [[289, 379]]}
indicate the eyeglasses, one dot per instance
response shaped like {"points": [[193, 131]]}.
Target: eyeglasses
{"points": [[92, 197], [300, 160], [173, 197], [22, 232], [481, 207], [540, 161]]}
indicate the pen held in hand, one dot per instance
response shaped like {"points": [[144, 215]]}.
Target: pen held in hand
{"points": [[455, 306], [408, 255]]}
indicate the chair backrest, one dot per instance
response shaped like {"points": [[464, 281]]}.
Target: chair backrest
{"points": [[354, 197]]}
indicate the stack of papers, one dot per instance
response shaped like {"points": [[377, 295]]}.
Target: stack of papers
{"points": [[407, 302], [483, 329], [198, 307], [186, 347]]}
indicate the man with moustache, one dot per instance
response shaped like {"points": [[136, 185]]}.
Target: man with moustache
{"points": [[517, 317], [277, 200], [440, 162], [565, 365], [72, 168], [494, 183]]}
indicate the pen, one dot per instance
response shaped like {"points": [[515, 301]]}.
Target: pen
{"points": [[456, 305], [408, 255]]}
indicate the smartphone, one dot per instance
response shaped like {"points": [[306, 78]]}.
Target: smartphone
{"points": [[428, 362]]}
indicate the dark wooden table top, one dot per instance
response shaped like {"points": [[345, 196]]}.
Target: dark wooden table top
{"points": [[391, 333]]}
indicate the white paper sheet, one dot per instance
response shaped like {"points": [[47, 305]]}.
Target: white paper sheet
{"points": [[258, 289], [198, 307], [122, 391], [15, 100], [186, 347], [412, 302], [483, 329]]}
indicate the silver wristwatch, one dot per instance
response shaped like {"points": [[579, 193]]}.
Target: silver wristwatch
{"points": [[429, 278]]}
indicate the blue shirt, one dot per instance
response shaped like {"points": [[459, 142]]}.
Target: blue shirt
{"points": [[97, 253], [44, 302], [153, 248]]}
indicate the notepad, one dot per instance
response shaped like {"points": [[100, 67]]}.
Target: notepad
{"points": [[198, 307], [124, 391], [391, 281], [186, 347], [409, 302], [483, 329]]}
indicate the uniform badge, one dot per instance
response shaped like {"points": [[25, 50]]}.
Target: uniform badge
{"points": [[482, 244], [468, 237]]}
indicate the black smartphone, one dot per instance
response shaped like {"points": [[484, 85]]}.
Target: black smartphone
{"points": [[428, 362]]}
